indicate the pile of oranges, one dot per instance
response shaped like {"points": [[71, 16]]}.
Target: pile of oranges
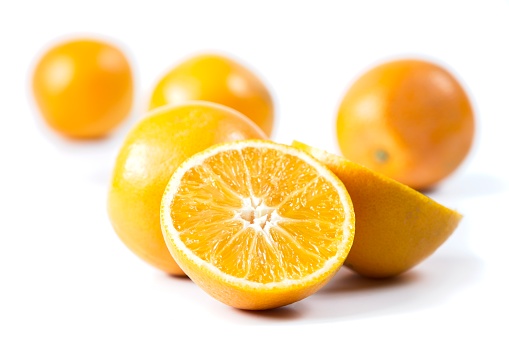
{"points": [[200, 189]]}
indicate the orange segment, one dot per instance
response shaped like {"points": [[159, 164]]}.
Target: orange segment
{"points": [[397, 227], [257, 224]]}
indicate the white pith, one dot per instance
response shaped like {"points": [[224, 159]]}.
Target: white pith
{"points": [[255, 214]]}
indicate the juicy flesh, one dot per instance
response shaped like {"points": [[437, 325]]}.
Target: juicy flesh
{"points": [[258, 214]]}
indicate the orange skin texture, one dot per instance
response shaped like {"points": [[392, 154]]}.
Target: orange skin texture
{"points": [[218, 79], [408, 119], [83, 88], [152, 151], [396, 227]]}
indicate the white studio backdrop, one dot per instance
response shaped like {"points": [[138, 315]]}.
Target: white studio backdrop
{"points": [[65, 274]]}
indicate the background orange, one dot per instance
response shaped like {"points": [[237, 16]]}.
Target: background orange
{"points": [[409, 119]]}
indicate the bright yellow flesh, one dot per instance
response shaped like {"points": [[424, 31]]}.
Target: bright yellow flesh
{"points": [[259, 214]]}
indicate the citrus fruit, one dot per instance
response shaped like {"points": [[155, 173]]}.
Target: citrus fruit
{"points": [[152, 150], [257, 224], [408, 119], [396, 227], [83, 88], [220, 79]]}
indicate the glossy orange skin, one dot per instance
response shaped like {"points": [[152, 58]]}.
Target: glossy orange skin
{"points": [[152, 151], [219, 79], [408, 119], [83, 88]]}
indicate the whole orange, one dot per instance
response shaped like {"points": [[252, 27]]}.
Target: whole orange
{"points": [[220, 79], [83, 87], [408, 119], [151, 152]]}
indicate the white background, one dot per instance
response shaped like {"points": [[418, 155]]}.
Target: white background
{"points": [[65, 274]]}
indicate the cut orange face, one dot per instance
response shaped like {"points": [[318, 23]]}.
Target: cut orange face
{"points": [[257, 224]]}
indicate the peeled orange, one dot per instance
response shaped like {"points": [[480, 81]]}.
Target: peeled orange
{"points": [[257, 224], [397, 227], [152, 150]]}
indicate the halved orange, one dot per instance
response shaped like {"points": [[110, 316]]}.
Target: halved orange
{"points": [[396, 227], [257, 224]]}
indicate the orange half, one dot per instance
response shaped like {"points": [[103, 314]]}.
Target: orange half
{"points": [[257, 224]]}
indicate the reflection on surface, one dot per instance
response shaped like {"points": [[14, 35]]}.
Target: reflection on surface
{"points": [[427, 285], [349, 296]]}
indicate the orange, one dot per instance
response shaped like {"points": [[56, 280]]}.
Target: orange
{"points": [[152, 150], [83, 88], [396, 227], [220, 79], [408, 119], [256, 224]]}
